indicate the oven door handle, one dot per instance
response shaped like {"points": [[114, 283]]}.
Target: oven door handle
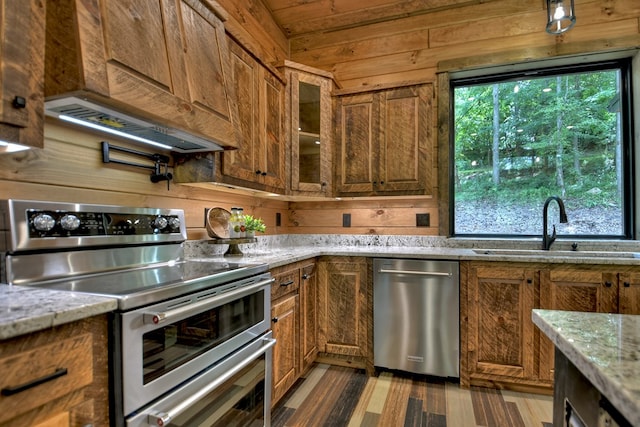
{"points": [[165, 316], [164, 418]]}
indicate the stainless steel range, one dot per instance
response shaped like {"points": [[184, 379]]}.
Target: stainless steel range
{"points": [[190, 342]]}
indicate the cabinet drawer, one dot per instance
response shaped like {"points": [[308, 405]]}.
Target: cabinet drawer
{"points": [[36, 376], [285, 282]]}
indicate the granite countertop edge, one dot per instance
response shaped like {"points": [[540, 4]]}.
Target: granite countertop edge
{"points": [[26, 310], [611, 366]]}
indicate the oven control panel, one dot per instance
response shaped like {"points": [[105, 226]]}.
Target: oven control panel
{"points": [[47, 223], [28, 225]]}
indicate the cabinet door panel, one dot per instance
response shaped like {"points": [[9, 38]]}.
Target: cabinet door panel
{"points": [[22, 47], [309, 315], [404, 164], [629, 293], [501, 330], [271, 151], [573, 289], [284, 326], [136, 39], [200, 34], [357, 119], [241, 163], [343, 297]]}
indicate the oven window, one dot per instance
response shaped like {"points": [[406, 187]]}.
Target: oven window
{"points": [[237, 403], [175, 344]]}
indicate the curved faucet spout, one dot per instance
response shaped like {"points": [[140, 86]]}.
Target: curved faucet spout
{"points": [[546, 239]]}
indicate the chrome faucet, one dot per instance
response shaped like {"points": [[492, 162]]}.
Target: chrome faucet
{"points": [[546, 239]]}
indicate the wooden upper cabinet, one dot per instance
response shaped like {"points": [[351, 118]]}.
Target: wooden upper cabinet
{"points": [[309, 128], [22, 43], [259, 161], [164, 60], [384, 140]]}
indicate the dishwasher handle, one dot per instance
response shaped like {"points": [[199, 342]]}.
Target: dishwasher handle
{"points": [[416, 273]]}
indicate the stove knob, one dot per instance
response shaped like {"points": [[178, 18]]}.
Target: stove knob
{"points": [[174, 223], [70, 222], [44, 222], [160, 223]]}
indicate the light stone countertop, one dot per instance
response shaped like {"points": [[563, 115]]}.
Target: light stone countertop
{"points": [[24, 310], [605, 348]]}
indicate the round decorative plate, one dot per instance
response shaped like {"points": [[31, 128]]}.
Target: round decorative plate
{"points": [[218, 223]]}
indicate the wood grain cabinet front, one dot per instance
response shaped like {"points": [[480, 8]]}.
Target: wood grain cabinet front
{"points": [[308, 127], [308, 314], [56, 377], [500, 329], [165, 60], [588, 288], [22, 43], [259, 161], [500, 345], [294, 325], [384, 142], [344, 311]]}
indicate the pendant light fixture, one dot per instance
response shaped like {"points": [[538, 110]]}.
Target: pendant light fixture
{"points": [[560, 16]]}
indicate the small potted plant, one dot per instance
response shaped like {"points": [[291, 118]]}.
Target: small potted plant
{"points": [[252, 225]]}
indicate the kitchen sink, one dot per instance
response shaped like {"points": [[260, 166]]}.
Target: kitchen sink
{"points": [[559, 254]]}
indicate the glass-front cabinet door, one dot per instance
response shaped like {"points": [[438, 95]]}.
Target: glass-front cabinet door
{"points": [[311, 135]]}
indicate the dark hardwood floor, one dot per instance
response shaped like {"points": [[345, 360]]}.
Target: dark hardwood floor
{"points": [[338, 396]]}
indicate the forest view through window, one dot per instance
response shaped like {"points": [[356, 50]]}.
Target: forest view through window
{"points": [[521, 138]]}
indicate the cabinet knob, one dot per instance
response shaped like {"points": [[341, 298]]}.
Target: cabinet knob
{"points": [[608, 284], [274, 320], [381, 182], [19, 102], [305, 276], [258, 172], [264, 174], [529, 281], [626, 284]]}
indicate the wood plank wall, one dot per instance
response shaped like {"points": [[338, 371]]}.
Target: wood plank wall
{"points": [[425, 47], [70, 169], [415, 48]]}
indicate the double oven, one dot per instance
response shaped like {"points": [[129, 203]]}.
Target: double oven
{"points": [[190, 343]]}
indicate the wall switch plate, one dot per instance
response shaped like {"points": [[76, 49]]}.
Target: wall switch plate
{"points": [[278, 219], [423, 220], [346, 220]]}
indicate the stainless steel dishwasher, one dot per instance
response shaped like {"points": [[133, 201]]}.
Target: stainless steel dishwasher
{"points": [[416, 316]]}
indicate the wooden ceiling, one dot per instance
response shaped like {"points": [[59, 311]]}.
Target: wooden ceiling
{"points": [[299, 17]]}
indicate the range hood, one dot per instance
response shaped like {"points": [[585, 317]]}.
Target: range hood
{"points": [[90, 114]]}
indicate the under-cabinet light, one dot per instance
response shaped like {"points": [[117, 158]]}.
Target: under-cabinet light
{"points": [[11, 147], [113, 131]]}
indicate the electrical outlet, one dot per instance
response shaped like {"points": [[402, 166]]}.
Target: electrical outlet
{"points": [[423, 220], [346, 220]]}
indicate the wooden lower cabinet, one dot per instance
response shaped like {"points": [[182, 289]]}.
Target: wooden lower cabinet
{"points": [[284, 317], [500, 345], [294, 323], [66, 367], [345, 311], [500, 331], [308, 315]]}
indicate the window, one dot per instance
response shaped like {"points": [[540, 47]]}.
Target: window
{"points": [[521, 137]]}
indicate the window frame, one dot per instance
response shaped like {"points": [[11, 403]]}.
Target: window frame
{"points": [[522, 71]]}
